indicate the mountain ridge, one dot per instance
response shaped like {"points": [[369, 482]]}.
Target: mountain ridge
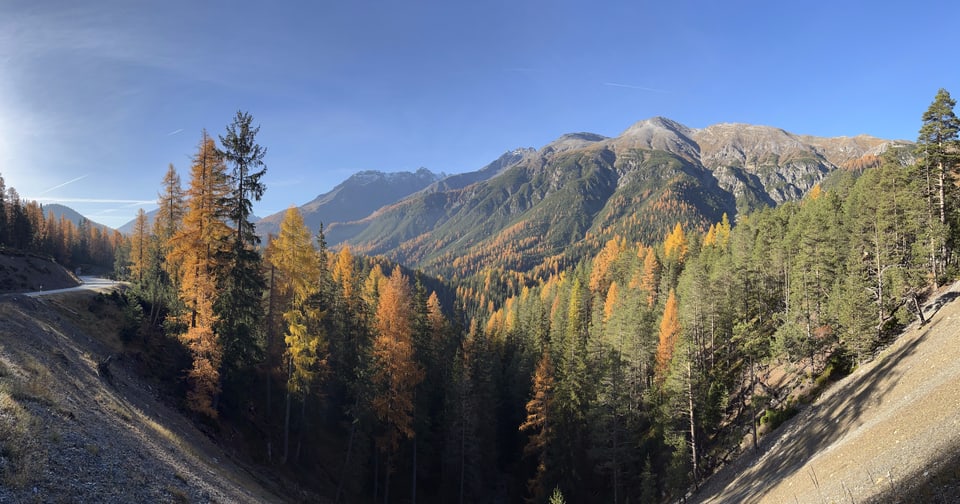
{"points": [[583, 188]]}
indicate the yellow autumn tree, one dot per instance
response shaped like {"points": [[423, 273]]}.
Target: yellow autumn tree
{"points": [[169, 218], [343, 273], [195, 247], [815, 192], [297, 271], [396, 372], [719, 234], [669, 332], [675, 245], [650, 278], [600, 274], [139, 247], [610, 305]]}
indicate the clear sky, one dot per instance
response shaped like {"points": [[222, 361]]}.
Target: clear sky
{"points": [[98, 97]]}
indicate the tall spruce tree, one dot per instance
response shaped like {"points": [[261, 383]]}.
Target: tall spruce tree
{"points": [[242, 282]]}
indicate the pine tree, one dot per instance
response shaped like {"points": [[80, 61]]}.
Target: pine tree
{"points": [[241, 282], [939, 150], [938, 145]]}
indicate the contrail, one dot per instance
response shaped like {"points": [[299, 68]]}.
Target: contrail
{"points": [[49, 199], [631, 86], [66, 183], [174, 132]]}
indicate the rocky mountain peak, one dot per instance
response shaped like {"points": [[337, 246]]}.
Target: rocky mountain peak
{"points": [[571, 141], [660, 133]]}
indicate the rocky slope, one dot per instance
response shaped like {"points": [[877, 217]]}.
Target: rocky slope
{"points": [[75, 430], [23, 272], [886, 433]]}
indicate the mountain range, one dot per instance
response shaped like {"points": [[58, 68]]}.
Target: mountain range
{"points": [[552, 205], [61, 211]]}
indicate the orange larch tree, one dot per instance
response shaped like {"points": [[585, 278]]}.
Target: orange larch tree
{"points": [[669, 332], [396, 371], [195, 247]]}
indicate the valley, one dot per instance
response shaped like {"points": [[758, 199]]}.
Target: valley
{"points": [[616, 318]]}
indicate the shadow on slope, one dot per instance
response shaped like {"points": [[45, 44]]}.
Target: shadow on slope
{"points": [[833, 416]]}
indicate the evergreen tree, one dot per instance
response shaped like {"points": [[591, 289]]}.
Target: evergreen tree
{"points": [[939, 149], [241, 283], [938, 146], [4, 225]]}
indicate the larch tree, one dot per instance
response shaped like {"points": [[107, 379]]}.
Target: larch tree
{"points": [[539, 424], [297, 269], [171, 208], [396, 372], [675, 245], [242, 282], [196, 248], [139, 248], [669, 332]]}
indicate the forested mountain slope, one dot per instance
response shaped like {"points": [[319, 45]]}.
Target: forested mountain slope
{"points": [[560, 203]]}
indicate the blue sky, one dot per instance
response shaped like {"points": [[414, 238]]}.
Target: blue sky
{"points": [[98, 97]]}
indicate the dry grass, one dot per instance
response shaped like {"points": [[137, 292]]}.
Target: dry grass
{"points": [[21, 454]]}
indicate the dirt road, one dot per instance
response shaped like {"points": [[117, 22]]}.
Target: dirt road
{"points": [[873, 435]]}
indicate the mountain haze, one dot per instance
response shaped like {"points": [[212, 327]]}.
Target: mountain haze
{"points": [[355, 198], [62, 211]]}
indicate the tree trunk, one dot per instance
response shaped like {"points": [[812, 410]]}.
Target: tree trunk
{"points": [[346, 460], [916, 304], [693, 430], [303, 421], [413, 491], [463, 435], [386, 480], [269, 355], [753, 405], [286, 417], [376, 473]]}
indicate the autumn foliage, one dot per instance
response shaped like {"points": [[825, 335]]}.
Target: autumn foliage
{"points": [[669, 332]]}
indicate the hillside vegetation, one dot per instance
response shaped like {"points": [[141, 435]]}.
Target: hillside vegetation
{"points": [[886, 433], [560, 204], [602, 320]]}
